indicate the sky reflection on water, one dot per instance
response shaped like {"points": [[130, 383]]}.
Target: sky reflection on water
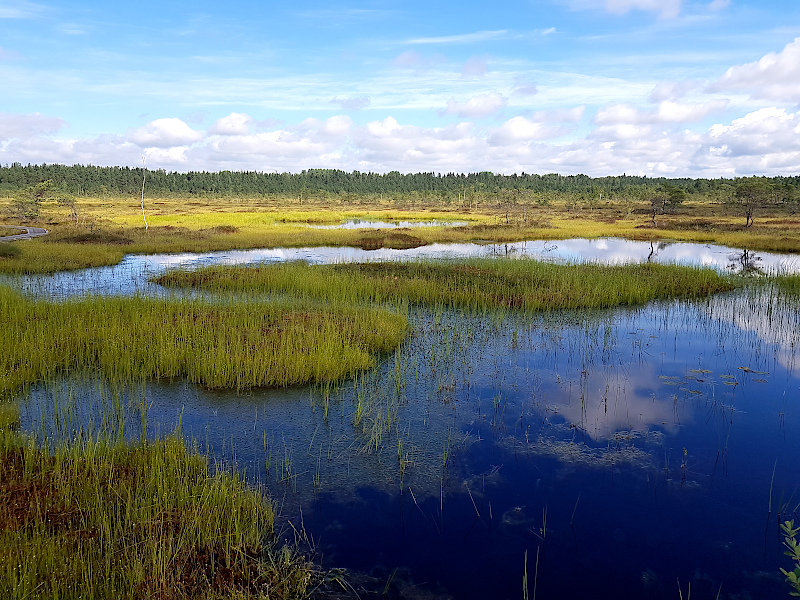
{"points": [[130, 276], [635, 447]]}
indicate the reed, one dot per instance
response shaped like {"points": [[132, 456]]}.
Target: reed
{"points": [[230, 344], [104, 519], [477, 284]]}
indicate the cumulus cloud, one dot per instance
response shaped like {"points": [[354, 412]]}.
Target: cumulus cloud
{"points": [[666, 112], [309, 143], [356, 103], [477, 106], [336, 126], [233, 124], [776, 76], [767, 132], [386, 145], [164, 133], [621, 139], [521, 129], [673, 90], [24, 126]]}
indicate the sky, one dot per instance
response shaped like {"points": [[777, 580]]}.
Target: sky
{"points": [[674, 88]]}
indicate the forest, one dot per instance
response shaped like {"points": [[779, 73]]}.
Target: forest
{"points": [[91, 180]]}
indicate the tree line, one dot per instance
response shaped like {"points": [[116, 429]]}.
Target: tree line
{"points": [[88, 180]]}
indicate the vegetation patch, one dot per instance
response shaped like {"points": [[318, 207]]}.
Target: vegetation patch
{"points": [[96, 237], [9, 251], [473, 284], [225, 344], [104, 519], [222, 229], [399, 240]]}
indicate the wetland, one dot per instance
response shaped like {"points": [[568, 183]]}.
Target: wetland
{"points": [[526, 418]]}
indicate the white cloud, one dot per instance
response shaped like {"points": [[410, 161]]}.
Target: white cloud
{"points": [[20, 9], [673, 90], [666, 112], [164, 133], [464, 38], [524, 86], [559, 115], [622, 139], [386, 145], [477, 106], [764, 132], [24, 126], [776, 76], [719, 4], [520, 129], [233, 124], [688, 112], [337, 126]]}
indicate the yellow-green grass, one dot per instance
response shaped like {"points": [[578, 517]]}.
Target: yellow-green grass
{"points": [[109, 228], [474, 284], [788, 283], [226, 344], [108, 520]]}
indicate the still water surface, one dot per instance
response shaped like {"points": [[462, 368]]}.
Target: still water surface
{"points": [[131, 274], [623, 450]]}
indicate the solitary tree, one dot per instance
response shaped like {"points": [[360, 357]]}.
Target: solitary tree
{"points": [[27, 204], [662, 199], [751, 194]]}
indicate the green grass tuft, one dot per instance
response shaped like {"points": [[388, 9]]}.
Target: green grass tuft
{"points": [[473, 284], [224, 344], [104, 519]]}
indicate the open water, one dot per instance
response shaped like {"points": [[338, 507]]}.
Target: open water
{"points": [[613, 454]]}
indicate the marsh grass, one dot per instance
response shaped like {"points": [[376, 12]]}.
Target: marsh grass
{"points": [[109, 227], [9, 251], [230, 344], [789, 284], [105, 519], [37, 256], [477, 284]]}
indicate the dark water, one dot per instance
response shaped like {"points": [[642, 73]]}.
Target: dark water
{"points": [[624, 451]]}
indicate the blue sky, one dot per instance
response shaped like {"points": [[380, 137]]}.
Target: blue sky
{"points": [[705, 88]]}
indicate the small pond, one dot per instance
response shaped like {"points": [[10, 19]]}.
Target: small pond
{"points": [[622, 451]]}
